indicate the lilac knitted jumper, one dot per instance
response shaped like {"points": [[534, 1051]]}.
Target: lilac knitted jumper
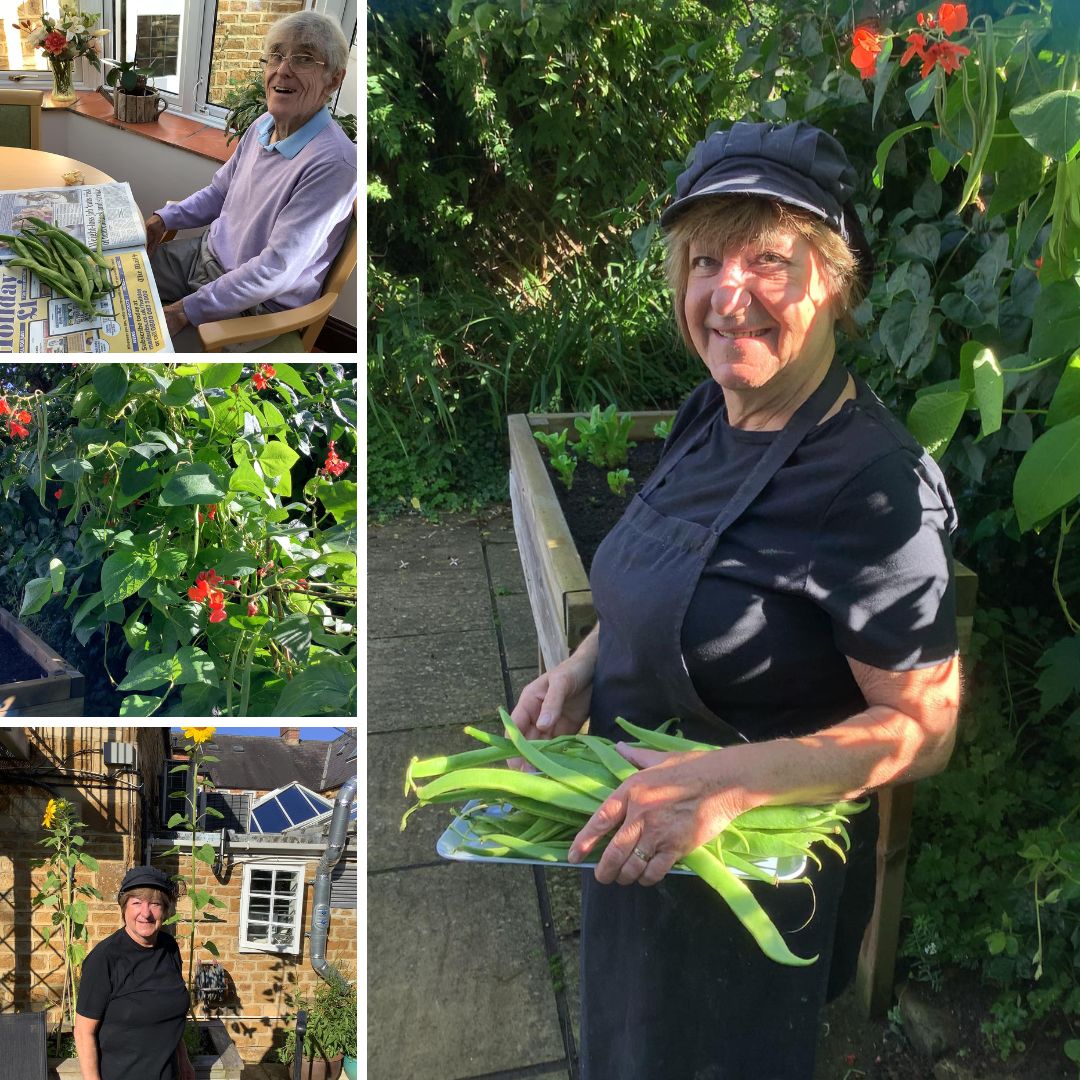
{"points": [[278, 215]]}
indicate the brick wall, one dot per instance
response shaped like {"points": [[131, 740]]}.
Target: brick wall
{"points": [[259, 982], [238, 41]]}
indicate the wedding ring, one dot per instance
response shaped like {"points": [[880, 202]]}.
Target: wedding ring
{"points": [[641, 854]]}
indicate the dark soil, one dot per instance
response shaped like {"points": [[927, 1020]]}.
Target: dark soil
{"points": [[15, 665], [851, 1047], [589, 506]]}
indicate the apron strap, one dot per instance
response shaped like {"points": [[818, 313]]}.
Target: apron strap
{"points": [[797, 428]]}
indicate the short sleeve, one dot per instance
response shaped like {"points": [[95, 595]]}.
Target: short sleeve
{"points": [[882, 566], [94, 988], [702, 397]]}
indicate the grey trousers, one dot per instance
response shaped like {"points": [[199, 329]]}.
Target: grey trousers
{"points": [[181, 267]]}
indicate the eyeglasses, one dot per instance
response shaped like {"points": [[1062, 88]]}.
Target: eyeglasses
{"points": [[297, 61]]}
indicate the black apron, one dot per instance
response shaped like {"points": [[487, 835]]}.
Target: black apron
{"points": [[672, 986]]}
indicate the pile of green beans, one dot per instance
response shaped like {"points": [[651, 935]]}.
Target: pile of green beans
{"points": [[542, 812], [63, 263]]}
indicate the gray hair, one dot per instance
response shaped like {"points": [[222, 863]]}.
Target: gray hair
{"points": [[316, 31]]}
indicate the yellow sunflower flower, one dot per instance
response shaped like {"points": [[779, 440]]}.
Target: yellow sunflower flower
{"points": [[199, 734], [50, 813]]}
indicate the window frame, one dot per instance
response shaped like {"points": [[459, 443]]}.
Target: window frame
{"points": [[245, 945], [197, 38]]}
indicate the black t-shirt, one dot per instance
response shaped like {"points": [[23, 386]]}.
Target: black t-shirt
{"points": [[844, 554], [139, 996]]}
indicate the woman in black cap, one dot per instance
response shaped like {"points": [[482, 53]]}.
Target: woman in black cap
{"points": [[783, 584], [133, 1004]]}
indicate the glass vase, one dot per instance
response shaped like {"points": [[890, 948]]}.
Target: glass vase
{"points": [[61, 79]]}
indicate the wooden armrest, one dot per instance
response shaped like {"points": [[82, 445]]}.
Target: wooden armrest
{"points": [[215, 335]]}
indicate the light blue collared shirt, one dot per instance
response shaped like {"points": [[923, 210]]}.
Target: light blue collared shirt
{"points": [[296, 142]]}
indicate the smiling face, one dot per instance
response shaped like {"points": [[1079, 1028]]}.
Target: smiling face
{"points": [[758, 312], [294, 96], [144, 913]]}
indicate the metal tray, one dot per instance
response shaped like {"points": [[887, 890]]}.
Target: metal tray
{"points": [[451, 844]]}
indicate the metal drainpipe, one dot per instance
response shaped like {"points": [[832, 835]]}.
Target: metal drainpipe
{"points": [[320, 915]]}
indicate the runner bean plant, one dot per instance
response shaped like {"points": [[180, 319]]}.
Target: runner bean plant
{"points": [[187, 820], [215, 527]]}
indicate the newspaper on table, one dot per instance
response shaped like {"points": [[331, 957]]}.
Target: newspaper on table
{"points": [[34, 320]]}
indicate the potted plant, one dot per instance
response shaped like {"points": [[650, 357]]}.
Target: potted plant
{"points": [[330, 1033], [132, 100]]}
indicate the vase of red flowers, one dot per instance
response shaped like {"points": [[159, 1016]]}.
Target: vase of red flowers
{"points": [[63, 40]]}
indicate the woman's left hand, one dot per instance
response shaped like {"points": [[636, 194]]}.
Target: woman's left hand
{"points": [[676, 803]]}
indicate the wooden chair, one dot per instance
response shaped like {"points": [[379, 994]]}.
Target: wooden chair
{"points": [[20, 118], [295, 330], [22, 1045], [877, 957]]}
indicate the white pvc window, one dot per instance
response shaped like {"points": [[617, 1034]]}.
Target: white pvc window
{"points": [[271, 908]]}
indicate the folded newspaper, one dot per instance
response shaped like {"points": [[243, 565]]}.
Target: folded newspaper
{"points": [[35, 320]]}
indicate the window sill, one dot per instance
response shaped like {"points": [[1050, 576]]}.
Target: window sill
{"points": [[178, 131]]}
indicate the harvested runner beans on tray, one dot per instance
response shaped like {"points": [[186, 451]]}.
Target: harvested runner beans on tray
{"points": [[62, 262], [542, 812]]}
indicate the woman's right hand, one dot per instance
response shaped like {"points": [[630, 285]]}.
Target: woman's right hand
{"points": [[155, 230], [557, 703]]}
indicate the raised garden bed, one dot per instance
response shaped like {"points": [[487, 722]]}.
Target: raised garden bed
{"points": [[561, 602], [34, 680]]}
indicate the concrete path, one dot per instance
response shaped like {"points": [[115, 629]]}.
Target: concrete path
{"points": [[467, 977], [472, 970]]}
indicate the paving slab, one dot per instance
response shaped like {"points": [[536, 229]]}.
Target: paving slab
{"points": [[497, 526], [504, 565], [413, 601], [423, 544], [517, 630], [434, 679], [564, 900], [388, 756], [458, 982]]}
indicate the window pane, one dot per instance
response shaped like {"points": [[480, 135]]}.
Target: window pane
{"points": [[259, 908], [239, 29], [15, 53], [287, 881], [270, 817], [283, 911], [259, 932], [262, 880], [296, 806], [152, 37]]}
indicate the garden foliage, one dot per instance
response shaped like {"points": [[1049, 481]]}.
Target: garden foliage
{"points": [[176, 524], [519, 157]]}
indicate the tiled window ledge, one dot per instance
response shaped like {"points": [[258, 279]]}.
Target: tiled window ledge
{"points": [[179, 131]]}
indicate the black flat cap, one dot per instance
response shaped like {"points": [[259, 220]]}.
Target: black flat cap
{"points": [[146, 877], [797, 164]]}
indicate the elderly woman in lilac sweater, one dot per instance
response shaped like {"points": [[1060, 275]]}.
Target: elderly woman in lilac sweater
{"points": [[279, 208]]}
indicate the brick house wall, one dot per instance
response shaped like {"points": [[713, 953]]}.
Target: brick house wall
{"points": [[238, 38], [258, 983]]}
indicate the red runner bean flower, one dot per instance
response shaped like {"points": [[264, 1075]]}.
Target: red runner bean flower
{"points": [[23, 417], [333, 464], [15, 429], [5, 408], [259, 381], [865, 53], [202, 592], [57, 493], [267, 370], [952, 17], [253, 608]]}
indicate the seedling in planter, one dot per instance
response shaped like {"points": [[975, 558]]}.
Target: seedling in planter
{"points": [[662, 429], [605, 437], [617, 479], [565, 465], [553, 444]]}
